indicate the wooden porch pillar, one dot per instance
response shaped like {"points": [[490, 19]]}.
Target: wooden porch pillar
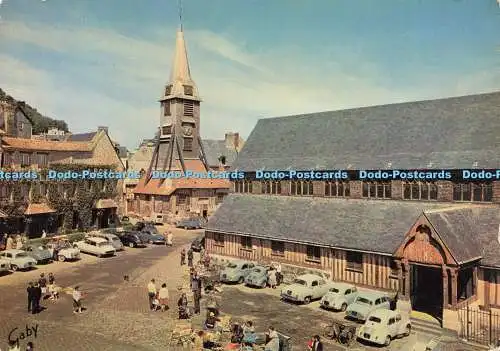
{"points": [[487, 280], [454, 286], [407, 279], [445, 286], [474, 280], [399, 268]]}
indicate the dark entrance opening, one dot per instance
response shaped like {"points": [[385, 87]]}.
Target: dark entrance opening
{"points": [[426, 285], [205, 213]]}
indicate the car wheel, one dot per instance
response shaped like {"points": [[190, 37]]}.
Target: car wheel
{"points": [[131, 245], [344, 307], [387, 340], [14, 267], [307, 300], [241, 280], [61, 258], [263, 285], [407, 330]]}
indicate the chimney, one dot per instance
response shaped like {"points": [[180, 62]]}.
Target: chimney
{"points": [[232, 140], [104, 129]]}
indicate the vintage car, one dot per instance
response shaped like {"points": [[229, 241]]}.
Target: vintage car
{"points": [[384, 325], [112, 239], [367, 302], [132, 239], [40, 253], [257, 277], [235, 272], [95, 246], [4, 266], [191, 223], [65, 252], [18, 259], [152, 238], [305, 288], [198, 244], [339, 296]]}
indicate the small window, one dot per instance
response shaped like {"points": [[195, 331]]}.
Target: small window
{"points": [[25, 159], [188, 90], [188, 144], [219, 239], [354, 260], [278, 248], [347, 292], [378, 301], [392, 321], [168, 90], [245, 266], [313, 253], [166, 130], [246, 242], [314, 283]]}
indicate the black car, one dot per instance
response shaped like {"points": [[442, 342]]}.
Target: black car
{"points": [[132, 239], [146, 227], [151, 238], [198, 244]]}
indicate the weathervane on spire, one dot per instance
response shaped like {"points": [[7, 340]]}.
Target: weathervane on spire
{"points": [[180, 13]]}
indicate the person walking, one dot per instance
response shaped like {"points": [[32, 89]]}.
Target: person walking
{"points": [[53, 291], [170, 238], [10, 243], [274, 342], [42, 282], [182, 304], [37, 296], [31, 293], [317, 345], [19, 242], [183, 257], [190, 257], [77, 300], [196, 289], [163, 297], [279, 276], [152, 294], [271, 278]]}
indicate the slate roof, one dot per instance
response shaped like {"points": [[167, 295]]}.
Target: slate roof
{"points": [[451, 133], [216, 148], [82, 137], [469, 231]]}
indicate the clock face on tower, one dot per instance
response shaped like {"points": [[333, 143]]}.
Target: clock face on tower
{"points": [[188, 130]]}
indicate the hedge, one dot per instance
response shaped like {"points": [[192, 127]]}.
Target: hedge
{"points": [[71, 237]]}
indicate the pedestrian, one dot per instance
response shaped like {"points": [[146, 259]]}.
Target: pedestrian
{"points": [[29, 346], [37, 296], [43, 284], [317, 345], [182, 304], [190, 257], [196, 289], [53, 289], [19, 242], [152, 294], [163, 297], [31, 293], [271, 278], [77, 300], [183, 257], [279, 277], [170, 238], [3, 242], [248, 328], [44, 234], [10, 243]]}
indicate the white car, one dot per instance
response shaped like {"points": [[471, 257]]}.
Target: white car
{"points": [[366, 303], [305, 288], [95, 246], [384, 325], [18, 259], [4, 266], [65, 252], [339, 296], [112, 239]]}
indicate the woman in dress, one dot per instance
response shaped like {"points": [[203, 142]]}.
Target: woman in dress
{"points": [[163, 297]]}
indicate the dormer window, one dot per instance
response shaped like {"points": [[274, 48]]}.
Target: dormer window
{"points": [[166, 108], [168, 90], [188, 90]]}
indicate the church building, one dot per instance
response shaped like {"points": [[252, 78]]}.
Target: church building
{"points": [[394, 235], [179, 148]]}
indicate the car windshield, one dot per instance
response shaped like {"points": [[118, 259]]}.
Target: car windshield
{"points": [[334, 290], [374, 319], [300, 282], [364, 301], [258, 270], [65, 245], [21, 254], [232, 265]]}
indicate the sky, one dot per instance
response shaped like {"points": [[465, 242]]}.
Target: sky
{"points": [[105, 63]]}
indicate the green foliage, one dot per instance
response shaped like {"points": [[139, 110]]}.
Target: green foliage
{"points": [[41, 123]]}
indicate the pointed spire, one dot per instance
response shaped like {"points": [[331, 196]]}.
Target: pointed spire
{"points": [[180, 69]]}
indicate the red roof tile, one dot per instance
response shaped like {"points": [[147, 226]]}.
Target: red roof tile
{"points": [[43, 145], [34, 209]]}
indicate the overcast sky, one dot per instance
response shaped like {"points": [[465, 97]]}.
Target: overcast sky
{"points": [[105, 62]]}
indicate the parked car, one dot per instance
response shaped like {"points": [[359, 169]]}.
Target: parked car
{"points": [[112, 239], [198, 244], [150, 238], [305, 288], [384, 325], [257, 277], [339, 296], [4, 266], [367, 302], [66, 252], [191, 223], [18, 259], [158, 219], [132, 239], [125, 219], [236, 272], [40, 253], [95, 246]]}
